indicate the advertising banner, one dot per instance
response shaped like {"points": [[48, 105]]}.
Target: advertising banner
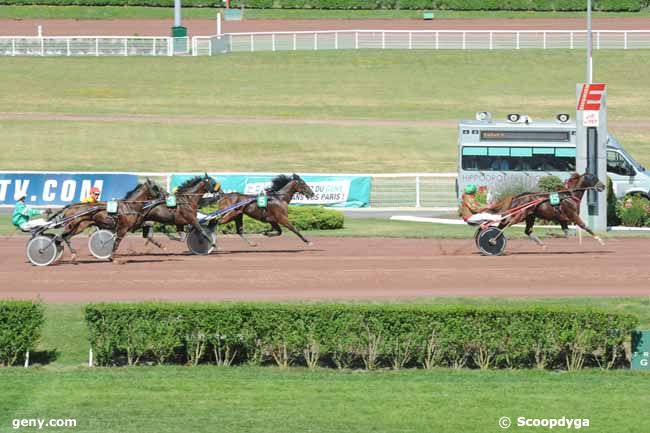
{"points": [[331, 191], [58, 189]]}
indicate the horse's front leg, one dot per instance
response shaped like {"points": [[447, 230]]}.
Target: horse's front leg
{"points": [[530, 222], [285, 222], [580, 223], [119, 235]]}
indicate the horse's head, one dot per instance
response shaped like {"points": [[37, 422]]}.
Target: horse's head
{"points": [[154, 190], [302, 187], [589, 180], [213, 192]]}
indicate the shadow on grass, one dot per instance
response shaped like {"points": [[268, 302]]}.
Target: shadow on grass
{"points": [[43, 357]]}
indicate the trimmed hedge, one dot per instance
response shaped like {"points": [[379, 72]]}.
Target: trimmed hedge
{"points": [[510, 5], [303, 218], [20, 329], [357, 335]]}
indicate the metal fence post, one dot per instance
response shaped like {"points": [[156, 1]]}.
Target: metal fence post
{"points": [[126, 46], [252, 43], [294, 42], [598, 40], [356, 40], [625, 40], [209, 47], [410, 40], [154, 46], [517, 40], [13, 46], [67, 43], [491, 42], [544, 40], [417, 191], [42, 47], [571, 40], [463, 40], [273, 41], [437, 40], [315, 41], [383, 40], [96, 46], [336, 40]]}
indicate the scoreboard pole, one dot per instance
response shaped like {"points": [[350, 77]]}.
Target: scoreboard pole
{"points": [[591, 149]]}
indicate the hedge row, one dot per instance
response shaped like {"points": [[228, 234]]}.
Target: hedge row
{"points": [[303, 218], [511, 5], [357, 336], [20, 329]]}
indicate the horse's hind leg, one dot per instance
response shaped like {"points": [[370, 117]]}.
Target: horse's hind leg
{"points": [[530, 221], [285, 222], [276, 230], [583, 226], [239, 225]]}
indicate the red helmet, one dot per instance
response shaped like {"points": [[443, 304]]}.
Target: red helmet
{"points": [[94, 190]]}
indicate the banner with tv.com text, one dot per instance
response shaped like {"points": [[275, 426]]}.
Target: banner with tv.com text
{"points": [[331, 191]]}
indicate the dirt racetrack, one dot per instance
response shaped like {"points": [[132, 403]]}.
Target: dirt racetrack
{"points": [[333, 268], [199, 27]]}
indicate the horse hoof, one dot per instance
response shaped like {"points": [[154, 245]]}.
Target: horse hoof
{"points": [[544, 248], [309, 244], [73, 257], [253, 244]]}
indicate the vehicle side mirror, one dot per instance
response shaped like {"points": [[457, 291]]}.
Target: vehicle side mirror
{"points": [[629, 171]]}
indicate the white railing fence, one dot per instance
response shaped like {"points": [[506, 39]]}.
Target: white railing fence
{"points": [[321, 40], [93, 46], [426, 190], [418, 39]]}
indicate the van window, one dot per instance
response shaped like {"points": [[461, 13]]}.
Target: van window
{"points": [[518, 159], [617, 164]]}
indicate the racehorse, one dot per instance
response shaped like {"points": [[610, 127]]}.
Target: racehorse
{"points": [[523, 207], [188, 195], [136, 198], [276, 212]]}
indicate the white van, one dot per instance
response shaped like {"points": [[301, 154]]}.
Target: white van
{"points": [[491, 152]]}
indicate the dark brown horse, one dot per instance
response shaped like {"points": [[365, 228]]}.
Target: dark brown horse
{"points": [[187, 196], [276, 212], [137, 198], [567, 211]]}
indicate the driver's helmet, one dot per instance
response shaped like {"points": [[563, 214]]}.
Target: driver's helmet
{"points": [[470, 189], [94, 191]]}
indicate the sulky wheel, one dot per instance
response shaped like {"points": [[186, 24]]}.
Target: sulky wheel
{"points": [[42, 250], [478, 232], [101, 244], [198, 244], [491, 242]]}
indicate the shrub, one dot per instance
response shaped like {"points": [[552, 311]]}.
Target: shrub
{"points": [[550, 184], [20, 329], [634, 211], [514, 185], [356, 335], [612, 216]]}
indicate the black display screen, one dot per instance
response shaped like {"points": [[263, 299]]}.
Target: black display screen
{"points": [[525, 136]]}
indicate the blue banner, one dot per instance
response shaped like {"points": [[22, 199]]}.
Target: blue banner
{"points": [[331, 191], [56, 189]]}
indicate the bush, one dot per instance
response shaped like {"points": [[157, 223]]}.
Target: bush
{"points": [[514, 185], [550, 184], [357, 336], [634, 211], [302, 217], [20, 329]]}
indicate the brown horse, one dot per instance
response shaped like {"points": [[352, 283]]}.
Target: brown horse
{"points": [[276, 213], [568, 210], [137, 197], [188, 195]]}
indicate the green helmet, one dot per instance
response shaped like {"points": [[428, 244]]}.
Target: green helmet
{"points": [[470, 189]]}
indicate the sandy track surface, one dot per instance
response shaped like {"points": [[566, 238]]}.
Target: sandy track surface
{"points": [[333, 268], [58, 27]]}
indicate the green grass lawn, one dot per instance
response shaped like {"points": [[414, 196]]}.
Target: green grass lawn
{"points": [[118, 12], [374, 85], [268, 399]]}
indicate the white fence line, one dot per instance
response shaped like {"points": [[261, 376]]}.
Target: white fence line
{"points": [[320, 40], [93, 46], [418, 39]]}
